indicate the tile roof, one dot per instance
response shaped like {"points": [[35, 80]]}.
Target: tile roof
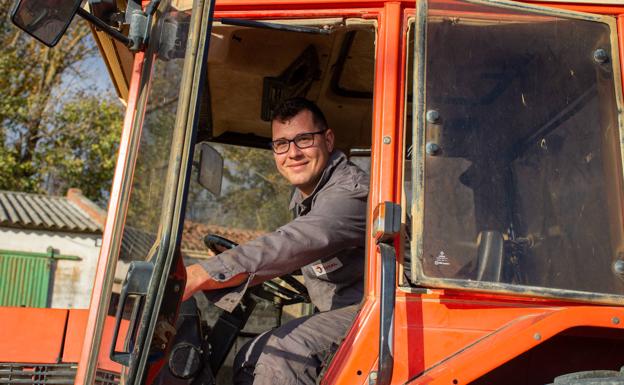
{"points": [[43, 212]]}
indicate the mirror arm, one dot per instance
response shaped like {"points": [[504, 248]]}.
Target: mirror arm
{"points": [[104, 27]]}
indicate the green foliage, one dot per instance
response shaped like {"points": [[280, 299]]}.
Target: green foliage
{"points": [[256, 195], [51, 137], [83, 153], [54, 138]]}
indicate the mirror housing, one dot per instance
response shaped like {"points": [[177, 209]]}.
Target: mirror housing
{"points": [[45, 20], [210, 172]]}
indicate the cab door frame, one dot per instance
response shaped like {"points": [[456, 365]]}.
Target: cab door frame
{"points": [[170, 231]]}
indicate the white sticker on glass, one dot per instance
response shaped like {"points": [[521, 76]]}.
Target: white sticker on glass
{"points": [[441, 259]]}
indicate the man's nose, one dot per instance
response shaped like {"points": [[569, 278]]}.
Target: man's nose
{"points": [[294, 151]]}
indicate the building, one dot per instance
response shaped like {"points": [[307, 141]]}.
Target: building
{"points": [[48, 249]]}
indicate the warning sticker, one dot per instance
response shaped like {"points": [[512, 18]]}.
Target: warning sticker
{"points": [[441, 259]]}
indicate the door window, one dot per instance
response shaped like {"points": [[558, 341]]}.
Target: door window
{"points": [[517, 150]]}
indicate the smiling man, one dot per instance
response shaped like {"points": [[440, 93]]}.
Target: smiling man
{"points": [[325, 240]]}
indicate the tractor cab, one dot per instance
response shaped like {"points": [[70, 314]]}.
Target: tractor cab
{"points": [[492, 134]]}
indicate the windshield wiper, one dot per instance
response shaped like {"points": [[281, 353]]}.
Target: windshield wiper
{"points": [[277, 26]]}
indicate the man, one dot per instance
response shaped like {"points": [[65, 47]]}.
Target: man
{"points": [[325, 240]]}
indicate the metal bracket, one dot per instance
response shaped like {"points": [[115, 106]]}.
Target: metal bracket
{"points": [[386, 221], [386, 226], [140, 23], [137, 20], [386, 314]]}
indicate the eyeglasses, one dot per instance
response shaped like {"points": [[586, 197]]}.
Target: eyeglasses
{"points": [[305, 140]]}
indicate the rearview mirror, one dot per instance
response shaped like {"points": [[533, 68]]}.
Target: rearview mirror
{"points": [[210, 168], [45, 20]]}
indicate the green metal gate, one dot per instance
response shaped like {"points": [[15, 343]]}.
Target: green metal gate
{"points": [[24, 278]]}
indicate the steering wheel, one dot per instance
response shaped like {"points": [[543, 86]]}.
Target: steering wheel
{"points": [[271, 290]]}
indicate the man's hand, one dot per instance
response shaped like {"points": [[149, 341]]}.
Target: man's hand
{"points": [[198, 279]]}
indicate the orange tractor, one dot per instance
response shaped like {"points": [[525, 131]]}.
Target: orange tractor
{"points": [[492, 131]]}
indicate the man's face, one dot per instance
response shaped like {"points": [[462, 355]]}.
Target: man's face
{"points": [[302, 167]]}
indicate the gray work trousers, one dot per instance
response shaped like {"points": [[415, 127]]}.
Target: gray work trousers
{"points": [[294, 353]]}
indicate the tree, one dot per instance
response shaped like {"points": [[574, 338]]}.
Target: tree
{"points": [[257, 195], [82, 153], [39, 109]]}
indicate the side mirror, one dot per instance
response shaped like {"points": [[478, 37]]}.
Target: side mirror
{"points": [[210, 165], [45, 20]]}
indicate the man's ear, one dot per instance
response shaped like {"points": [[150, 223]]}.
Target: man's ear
{"points": [[329, 139]]}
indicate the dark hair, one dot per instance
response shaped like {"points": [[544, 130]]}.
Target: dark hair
{"points": [[289, 108]]}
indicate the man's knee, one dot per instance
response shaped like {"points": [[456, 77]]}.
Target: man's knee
{"points": [[283, 368], [294, 353], [275, 360]]}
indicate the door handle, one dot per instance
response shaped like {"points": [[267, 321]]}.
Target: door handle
{"points": [[135, 285]]}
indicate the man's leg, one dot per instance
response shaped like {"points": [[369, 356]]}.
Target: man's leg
{"points": [[293, 353]]}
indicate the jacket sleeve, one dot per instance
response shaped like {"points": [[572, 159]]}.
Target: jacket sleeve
{"points": [[336, 221]]}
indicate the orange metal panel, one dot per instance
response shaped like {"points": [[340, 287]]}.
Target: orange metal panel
{"points": [[358, 352], [225, 5], [510, 339], [31, 335], [104, 361], [277, 14], [76, 326], [432, 327], [293, 4], [357, 355]]}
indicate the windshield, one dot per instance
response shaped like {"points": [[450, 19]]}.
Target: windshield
{"points": [[521, 146]]}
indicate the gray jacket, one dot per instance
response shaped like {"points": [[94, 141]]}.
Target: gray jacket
{"points": [[326, 240]]}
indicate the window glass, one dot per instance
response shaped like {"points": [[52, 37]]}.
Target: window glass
{"points": [[520, 140]]}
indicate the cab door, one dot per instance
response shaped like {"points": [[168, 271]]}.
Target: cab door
{"points": [[137, 289]]}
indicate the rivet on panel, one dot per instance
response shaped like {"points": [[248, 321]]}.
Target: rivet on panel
{"points": [[601, 56], [432, 116], [387, 140], [537, 336], [432, 148], [615, 320]]}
